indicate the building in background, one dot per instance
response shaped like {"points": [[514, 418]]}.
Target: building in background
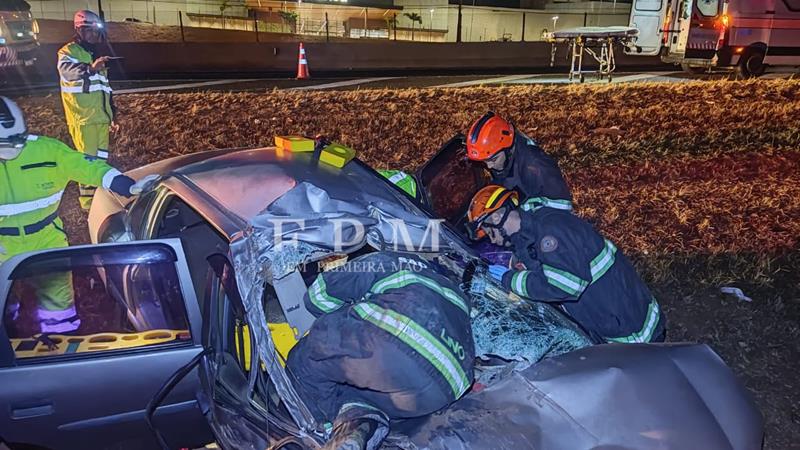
{"points": [[418, 20]]}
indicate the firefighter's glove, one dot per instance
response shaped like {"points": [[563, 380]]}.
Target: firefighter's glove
{"points": [[497, 271], [145, 184]]}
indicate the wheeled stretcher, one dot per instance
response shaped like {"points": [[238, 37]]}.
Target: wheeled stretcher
{"points": [[597, 42]]}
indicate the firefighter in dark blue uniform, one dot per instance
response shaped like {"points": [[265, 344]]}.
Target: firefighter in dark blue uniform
{"points": [[567, 262], [517, 162], [392, 340]]}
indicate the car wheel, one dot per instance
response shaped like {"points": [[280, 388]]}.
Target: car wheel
{"points": [[752, 63]]}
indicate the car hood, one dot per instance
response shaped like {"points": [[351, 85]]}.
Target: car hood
{"points": [[615, 396]]}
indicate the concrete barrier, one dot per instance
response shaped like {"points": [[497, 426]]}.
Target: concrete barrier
{"points": [[280, 59]]}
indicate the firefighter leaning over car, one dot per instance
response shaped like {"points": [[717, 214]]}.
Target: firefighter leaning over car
{"points": [[392, 341], [86, 92], [517, 162], [35, 171], [567, 262]]}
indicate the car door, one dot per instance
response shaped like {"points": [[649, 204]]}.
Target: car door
{"points": [[449, 180], [648, 16], [89, 388]]}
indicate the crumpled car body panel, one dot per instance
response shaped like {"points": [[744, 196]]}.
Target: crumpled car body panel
{"points": [[613, 396]]}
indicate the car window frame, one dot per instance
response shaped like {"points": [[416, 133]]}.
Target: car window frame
{"points": [[191, 307]]}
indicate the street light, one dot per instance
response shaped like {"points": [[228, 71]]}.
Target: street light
{"points": [[555, 20], [430, 28]]}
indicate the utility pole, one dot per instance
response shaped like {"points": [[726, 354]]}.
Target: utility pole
{"points": [[523, 27], [100, 11], [458, 22]]}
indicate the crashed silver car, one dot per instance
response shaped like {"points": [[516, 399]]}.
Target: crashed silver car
{"points": [[246, 231]]}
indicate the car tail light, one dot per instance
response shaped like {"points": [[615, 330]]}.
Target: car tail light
{"points": [[724, 22]]}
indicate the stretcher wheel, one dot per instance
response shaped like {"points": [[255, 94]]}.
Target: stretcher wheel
{"points": [[582, 78]]}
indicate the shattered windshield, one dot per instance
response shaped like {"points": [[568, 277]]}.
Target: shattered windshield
{"points": [[328, 213]]}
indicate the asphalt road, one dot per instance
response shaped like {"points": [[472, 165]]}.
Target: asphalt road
{"points": [[449, 81]]}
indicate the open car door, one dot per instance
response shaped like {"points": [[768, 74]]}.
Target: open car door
{"points": [[648, 16], [449, 180], [89, 388]]}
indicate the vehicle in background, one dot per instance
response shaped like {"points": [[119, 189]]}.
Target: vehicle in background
{"points": [[18, 34], [745, 35]]}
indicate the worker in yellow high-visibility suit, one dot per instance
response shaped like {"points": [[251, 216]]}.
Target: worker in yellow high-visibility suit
{"points": [[86, 92], [33, 174]]}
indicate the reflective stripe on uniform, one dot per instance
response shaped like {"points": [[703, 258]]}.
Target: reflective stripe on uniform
{"points": [[319, 296], [102, 154], [33, 205], [603, 261], [564, 280], [420, 340], [568, 282], [64, 314], [398, 177], [405, 277], [646, 333], [92, 88], [108, 178], [519, 282], [86, 191], [98, 77], [534, 203]]}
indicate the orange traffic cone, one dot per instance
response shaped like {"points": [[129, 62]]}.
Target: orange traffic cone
{"points": [[302, 65]]}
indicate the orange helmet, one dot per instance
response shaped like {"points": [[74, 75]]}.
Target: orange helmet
{"points": [[486, 201], [488, 136]]}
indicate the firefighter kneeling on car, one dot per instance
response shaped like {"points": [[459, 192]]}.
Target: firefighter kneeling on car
{"points": [[567, 262], [35, 172], [392, 340]]}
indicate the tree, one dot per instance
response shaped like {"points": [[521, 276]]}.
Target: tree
{"points": [[391, 24], [289, 17], [414, 17]]}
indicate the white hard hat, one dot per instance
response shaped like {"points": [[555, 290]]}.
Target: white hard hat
{"points": [[12, 123], [86, 18]]}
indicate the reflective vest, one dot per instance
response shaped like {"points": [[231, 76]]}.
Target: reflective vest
{"points": [[86, 96], [402, 180], [31, 185]]}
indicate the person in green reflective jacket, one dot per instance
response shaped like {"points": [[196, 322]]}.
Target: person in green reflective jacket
{"points": [[86, 92], [34, 170]]}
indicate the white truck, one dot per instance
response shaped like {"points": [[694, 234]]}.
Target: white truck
{"points": [[746, 35], [18, 34]]}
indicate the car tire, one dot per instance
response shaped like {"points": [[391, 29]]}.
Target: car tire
{"points": [[751, 63]]}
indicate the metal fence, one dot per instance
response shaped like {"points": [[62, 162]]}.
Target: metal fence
{"points": [[413, 22]]}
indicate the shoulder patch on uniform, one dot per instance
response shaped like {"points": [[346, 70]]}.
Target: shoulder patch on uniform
{"points": [[548, 244]]}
